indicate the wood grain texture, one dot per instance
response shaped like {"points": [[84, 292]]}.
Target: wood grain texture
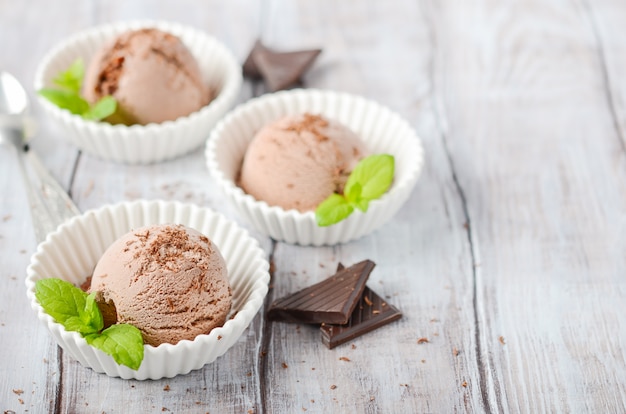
{"points": [[507, 261], [541, 166]]}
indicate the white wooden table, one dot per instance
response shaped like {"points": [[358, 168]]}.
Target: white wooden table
{"points": [[509, 256]]}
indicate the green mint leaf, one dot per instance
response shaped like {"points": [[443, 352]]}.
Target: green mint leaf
{"points": [[374, 174], [68, 305], [78, 311], [101, 109], [353, 193], [68, 95], [92, 316], [65, 100], [71, 80], [332, 210], [369, 180], [122, 341], [362, 204]]}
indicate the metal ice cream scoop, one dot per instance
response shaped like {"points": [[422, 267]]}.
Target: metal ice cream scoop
{"points": [[50, 204]]}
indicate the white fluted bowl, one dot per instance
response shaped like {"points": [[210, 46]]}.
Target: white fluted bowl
{"points": [[143, 144], [382, 131], [72, 251]]}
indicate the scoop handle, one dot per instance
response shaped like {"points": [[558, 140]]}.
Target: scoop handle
{"points": [[50, 205]]}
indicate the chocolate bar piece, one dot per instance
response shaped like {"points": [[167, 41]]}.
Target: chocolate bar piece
{"points": [[280, 70], [371, 313], [329, 301]]}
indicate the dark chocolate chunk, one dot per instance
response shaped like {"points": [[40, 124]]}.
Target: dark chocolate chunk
{"points": [[371, 313], [250, 69], [280, 70], [329, 301]]}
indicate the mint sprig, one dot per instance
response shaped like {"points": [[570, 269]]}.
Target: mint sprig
{"points": [[67, 95], [78, 311], [369, 180]]}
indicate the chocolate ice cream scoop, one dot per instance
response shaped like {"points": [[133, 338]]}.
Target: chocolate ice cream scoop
{"points": [[298, 161], [169, 281], [151, 74]]}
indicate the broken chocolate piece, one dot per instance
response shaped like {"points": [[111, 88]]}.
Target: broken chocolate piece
{"points": [[280, 70], [371, 313], [250, 70], [329, 301]]}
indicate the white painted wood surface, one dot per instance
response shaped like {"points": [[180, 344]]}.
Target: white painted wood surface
{"points": [[509, 255]]}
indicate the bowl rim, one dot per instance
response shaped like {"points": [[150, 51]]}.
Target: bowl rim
{"points": [[243, 315], [233, 78]]}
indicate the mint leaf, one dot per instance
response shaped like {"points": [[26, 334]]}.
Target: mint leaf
{"points": [[68, 95], [123, 342], [353, 192], [332, 210], [369, 180], [101, 109], [374, 174], [72, 79], [65, 100], [78, 311], [68, 305], [92, 316]]}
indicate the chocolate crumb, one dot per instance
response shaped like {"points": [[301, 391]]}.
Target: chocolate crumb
{"points": [[284, 365], [464, 384], [343, 358], [353, 346], [501, 339], [422, 340], [219, 337], [332, 387], [18, 391], [423, 361], [166, 388]]}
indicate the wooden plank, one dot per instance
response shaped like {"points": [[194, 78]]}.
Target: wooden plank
{"points": [[231, 382], [534, 146], [423, 259], [30, 366]]}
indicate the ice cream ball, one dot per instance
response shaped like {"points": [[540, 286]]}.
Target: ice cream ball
{"points": [[299, 160], [169, 281], [152, 75]]}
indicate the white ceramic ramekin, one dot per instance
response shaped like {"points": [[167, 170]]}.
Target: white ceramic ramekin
{"points": [[382, 130], [72, 251], [143, 144]]}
